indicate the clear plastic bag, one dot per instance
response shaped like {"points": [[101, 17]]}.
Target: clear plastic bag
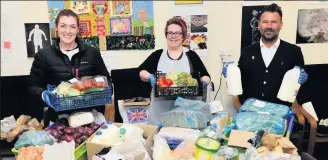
{"points": [[227, 152], [187, 114], [256, 105], [252, 121], [34, 138]]}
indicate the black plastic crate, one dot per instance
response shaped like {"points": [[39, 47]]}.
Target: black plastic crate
{"points": [[183, 91]]}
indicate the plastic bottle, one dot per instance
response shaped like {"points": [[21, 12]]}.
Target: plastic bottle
{"points": [[290, 86], [234, 80], [111, 133], [97, 138]]}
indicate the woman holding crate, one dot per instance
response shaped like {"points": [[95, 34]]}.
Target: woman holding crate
{"points": [[67, 58], [174, 58]]}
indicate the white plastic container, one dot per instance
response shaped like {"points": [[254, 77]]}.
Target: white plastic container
{"points": [[111, 134], [290, 86], [234, 80], [97, 138]]}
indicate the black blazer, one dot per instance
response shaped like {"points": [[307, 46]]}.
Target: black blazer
{"points": [[261, 82]]}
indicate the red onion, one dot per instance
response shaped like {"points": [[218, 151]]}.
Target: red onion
{"points": [[89, 132], [78, 140], [55, 133], [68, 130], [76, 135], [81, 130], [60, 127], [95, 127], [68, 138], [48, 130], [62, 138], [83, 138]]}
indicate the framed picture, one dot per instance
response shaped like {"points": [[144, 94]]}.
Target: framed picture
{"points": [[85, 28], [121, 8], [120, 26], [37, 36]]}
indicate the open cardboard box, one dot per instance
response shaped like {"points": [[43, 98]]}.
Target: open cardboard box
{"points": [[149, 132]]}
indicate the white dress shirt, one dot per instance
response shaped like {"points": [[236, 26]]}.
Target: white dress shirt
{"points": [[268, 53]]}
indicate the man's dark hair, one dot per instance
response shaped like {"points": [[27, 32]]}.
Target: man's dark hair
{"points": [[272, 8]]}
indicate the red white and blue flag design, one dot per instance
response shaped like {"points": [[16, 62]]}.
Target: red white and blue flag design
{"points": [[136, 115]]}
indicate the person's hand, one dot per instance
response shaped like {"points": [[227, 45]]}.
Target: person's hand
{"points": [[225, 68], [29, 40], [303, 76], [46, 98], [152, 80], [45, 39]]}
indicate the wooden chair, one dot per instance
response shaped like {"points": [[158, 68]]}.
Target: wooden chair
{"points": [[299, 115], [314, 91]]}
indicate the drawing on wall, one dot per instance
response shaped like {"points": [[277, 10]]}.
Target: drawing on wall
{"points": [[120, 26], [198, 41], [177, 2], [80, 6], [143, 18], [250, 21], [37, 37], [103, 21], [85, 28], [121, 8], [198, 23], [54, 7], [312, 26]]}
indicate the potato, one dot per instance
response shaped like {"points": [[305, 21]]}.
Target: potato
{"points": [[278, 149], [262, 150]]}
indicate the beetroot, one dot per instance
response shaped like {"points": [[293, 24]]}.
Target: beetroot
{"points": [[60, 127]]}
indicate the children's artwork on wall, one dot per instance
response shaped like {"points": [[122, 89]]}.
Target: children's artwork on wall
{"points": [[198, 41], [250, 21], [121, 8], [80, 6], [143, 18], [103, 20], [120, 26], [177, 2], [54, 7], [37, 36], [312, 26], [198, 23], [85, 28]]}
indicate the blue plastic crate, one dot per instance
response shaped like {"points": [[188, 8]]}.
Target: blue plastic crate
{"points": [[60, 103]]}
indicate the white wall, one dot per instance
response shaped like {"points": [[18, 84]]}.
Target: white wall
{"points": [[224, 32]]}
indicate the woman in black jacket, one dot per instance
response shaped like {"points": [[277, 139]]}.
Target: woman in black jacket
{"points": [[67, 58], [174, 58]]}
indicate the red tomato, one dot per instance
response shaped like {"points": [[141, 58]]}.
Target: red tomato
{"points": [[169, 82]]}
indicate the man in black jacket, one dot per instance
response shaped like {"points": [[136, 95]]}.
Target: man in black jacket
{"points": [[264, 64]]}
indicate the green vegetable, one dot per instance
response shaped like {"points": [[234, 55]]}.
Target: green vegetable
{"points": [[95, 89]]}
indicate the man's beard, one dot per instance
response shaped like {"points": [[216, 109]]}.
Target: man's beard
{"points": [[271, 39]]}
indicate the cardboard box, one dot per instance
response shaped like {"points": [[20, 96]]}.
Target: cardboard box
{"points": [[149, 132]]}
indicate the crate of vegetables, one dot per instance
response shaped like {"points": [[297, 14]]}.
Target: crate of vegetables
{"points": [[82, 93], [61, 131], [175, 84]]}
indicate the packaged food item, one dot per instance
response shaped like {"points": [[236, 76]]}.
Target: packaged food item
{"points": [[205, 148], [88, 82], [100, 81]]}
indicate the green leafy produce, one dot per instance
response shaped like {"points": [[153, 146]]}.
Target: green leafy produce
{"points": [[182, 79]]}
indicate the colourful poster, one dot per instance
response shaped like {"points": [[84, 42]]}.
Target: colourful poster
{"points": [[143, 18], [121, 8], [188, 2], [120, 26], [99, 8], [80, 6], [54, 7], [85, 28]]}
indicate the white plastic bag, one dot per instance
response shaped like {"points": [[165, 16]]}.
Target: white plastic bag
{"points": [[8, 123]]}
